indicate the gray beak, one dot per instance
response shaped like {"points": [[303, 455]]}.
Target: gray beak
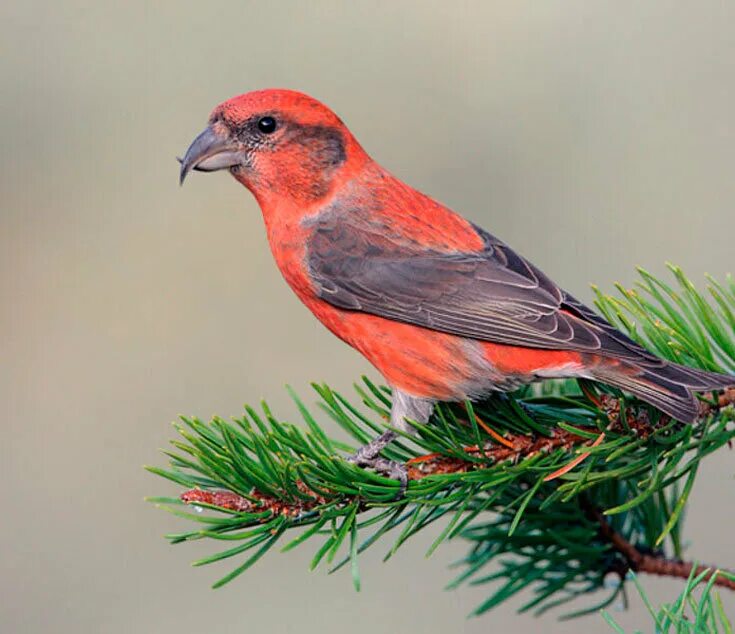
{"points": [[209, 152]]}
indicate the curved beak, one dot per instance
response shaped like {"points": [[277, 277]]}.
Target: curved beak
{"points": [[210, 151]]}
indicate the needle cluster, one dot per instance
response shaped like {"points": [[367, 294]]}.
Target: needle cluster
{"points": [[566, 488]]}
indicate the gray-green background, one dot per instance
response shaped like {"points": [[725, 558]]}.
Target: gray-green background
{"points": [[591, 136]]}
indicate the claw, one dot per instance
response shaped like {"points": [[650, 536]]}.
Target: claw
{"points": [[394, 470], [369, 456]]}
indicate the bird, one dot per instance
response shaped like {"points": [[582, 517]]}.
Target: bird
{"points": [[444, 310]]}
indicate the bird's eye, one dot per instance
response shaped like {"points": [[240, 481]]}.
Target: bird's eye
{"points": [[267, 125]]}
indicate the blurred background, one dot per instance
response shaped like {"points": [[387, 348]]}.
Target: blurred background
{"points": [[591, 136]]}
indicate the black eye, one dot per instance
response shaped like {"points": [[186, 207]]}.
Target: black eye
{"points": [[267, 125]]}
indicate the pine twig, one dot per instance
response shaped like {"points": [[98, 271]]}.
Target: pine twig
{"points": [[726, 398], [653, 564], [512, 488], [258, 503], [516, 447]]}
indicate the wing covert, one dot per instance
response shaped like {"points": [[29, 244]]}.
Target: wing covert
{"points": [[490, 295]]}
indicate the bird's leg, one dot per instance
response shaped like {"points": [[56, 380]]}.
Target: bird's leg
{"points": [[404, 407], [368, 453]]}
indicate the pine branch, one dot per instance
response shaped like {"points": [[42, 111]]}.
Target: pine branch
{"points": [[516, 447], [636, 560], [510, 475]]}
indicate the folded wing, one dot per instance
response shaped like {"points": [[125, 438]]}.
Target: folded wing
{"points": [[491, 295]]}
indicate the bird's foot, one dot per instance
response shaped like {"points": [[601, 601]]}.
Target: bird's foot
{"points": [[369, 456], [390, 469]]}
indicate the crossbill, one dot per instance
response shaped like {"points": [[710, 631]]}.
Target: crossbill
{"points": [[442, 308]]}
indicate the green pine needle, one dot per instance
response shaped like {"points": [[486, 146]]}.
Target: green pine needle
{"points": [[689, 613], [523, 532]]}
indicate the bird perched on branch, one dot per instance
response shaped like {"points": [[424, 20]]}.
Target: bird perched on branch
{"points": [[442, 308]]}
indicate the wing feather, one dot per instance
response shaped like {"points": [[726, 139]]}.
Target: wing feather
{"points": [[490, 295]]}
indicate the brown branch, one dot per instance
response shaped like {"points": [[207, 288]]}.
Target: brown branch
{"points": [[520, 446], [257, 502], [515, 447], [652, 564], [725, 398]]}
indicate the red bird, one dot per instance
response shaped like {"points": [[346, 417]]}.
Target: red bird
{"points": [[443, 309]]}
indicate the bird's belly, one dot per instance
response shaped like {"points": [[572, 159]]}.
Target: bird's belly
{"points": [[416, 360], [440, 366]]}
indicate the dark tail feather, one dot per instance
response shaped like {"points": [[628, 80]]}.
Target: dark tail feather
{"points": [[670, 387]]}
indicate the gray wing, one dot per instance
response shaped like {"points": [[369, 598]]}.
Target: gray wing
{"points": [[491, 295]]}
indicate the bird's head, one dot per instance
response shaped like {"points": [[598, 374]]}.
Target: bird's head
{"points": [[280, 144]]}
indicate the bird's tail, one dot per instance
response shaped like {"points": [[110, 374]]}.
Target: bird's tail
{"points": [[669, 386]]}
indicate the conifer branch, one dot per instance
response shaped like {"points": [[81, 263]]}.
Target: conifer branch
{"points": [[522, 447], [511, 475], [654, 563]]}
